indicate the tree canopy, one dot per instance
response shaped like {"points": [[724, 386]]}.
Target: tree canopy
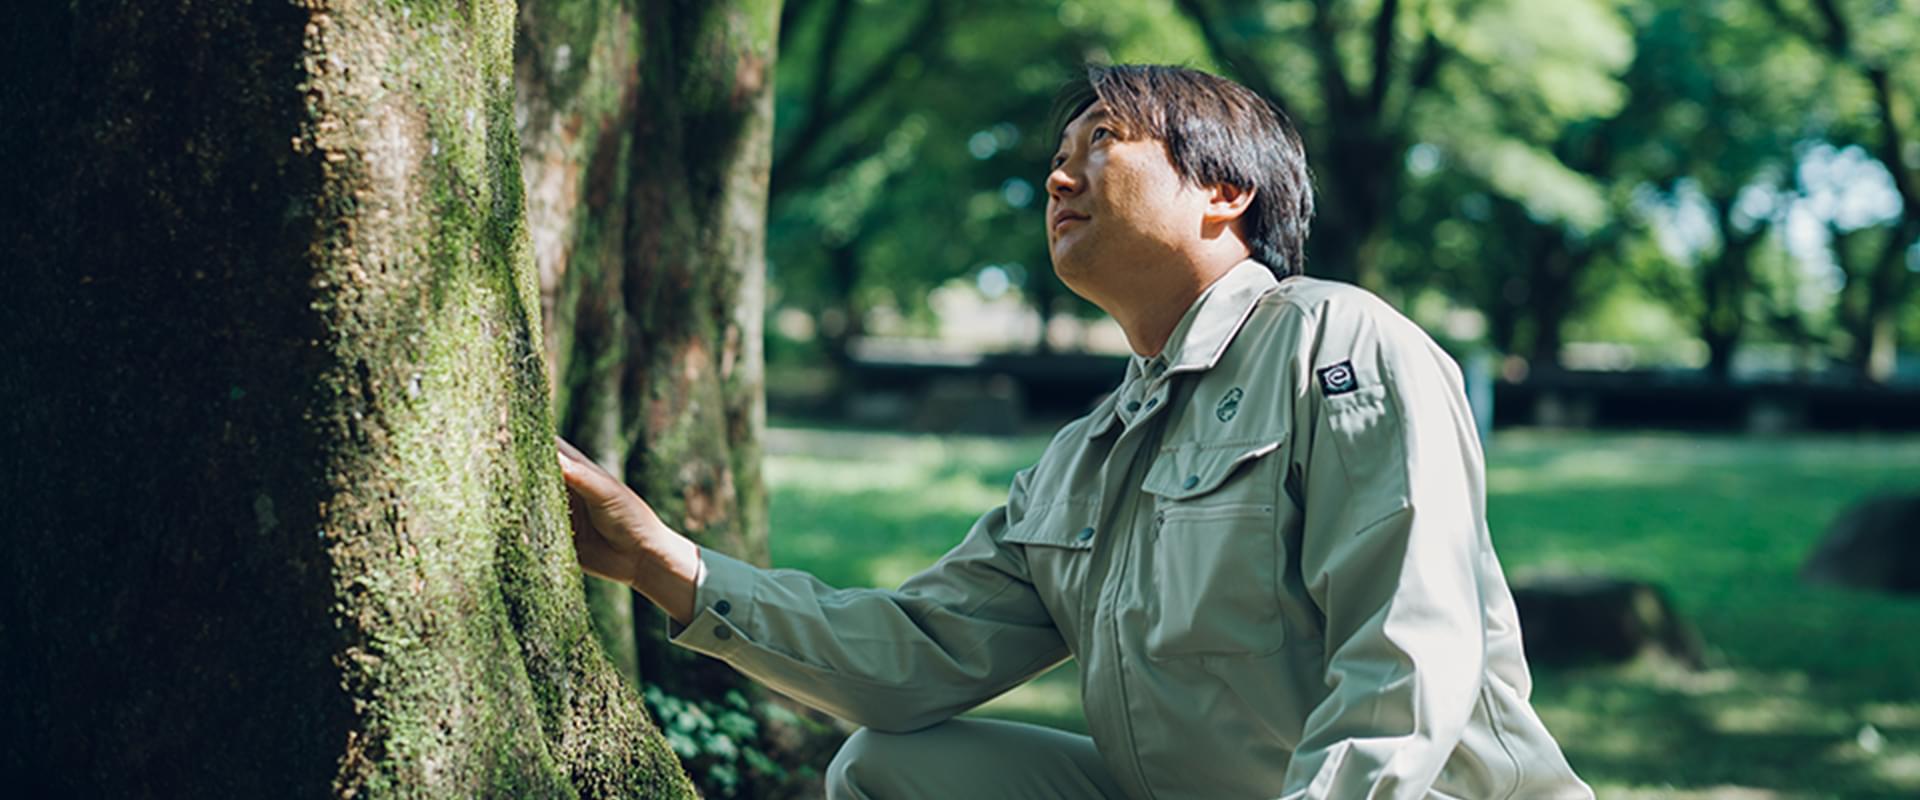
{"points": [[1688, 178]]}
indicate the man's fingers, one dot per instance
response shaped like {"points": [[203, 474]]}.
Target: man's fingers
{"points": [[571, 459], [580, 470], [568, 448], [598, 495]]}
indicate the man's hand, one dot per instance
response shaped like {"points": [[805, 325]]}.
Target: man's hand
{"points": [[618, 537]]}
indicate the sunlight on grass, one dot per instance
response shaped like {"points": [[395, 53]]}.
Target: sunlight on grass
{"points": [[1893, 715], [893, 570], [1796, 673], [1901, 770], [1773, 714]]}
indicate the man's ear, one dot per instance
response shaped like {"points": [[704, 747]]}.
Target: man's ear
{"points": [[1227, 203]]}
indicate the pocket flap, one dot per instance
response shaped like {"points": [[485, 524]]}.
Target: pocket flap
{"points": [[1065, 525], [1196, 468]]}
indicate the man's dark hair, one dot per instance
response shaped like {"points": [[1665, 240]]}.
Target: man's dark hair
{"points": [[1215, 131]]}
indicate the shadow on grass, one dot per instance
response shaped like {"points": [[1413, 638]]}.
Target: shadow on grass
{"points": [[1693, 733]]}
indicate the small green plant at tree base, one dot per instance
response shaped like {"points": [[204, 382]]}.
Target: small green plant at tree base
{"points": [[725, 748]]}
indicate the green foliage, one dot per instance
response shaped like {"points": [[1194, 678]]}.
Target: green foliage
{"points": [[722, 743], [1521, 158], [905, 159]]}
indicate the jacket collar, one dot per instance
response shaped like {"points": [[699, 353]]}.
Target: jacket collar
{"points": [[1203, 333], [1216, 317]]}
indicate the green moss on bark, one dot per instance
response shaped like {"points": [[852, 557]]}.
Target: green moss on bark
{"points": [[648, 172], [309, 426]]}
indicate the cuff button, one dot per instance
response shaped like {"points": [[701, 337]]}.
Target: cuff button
{"points": [[723, 607], [722, 633]]}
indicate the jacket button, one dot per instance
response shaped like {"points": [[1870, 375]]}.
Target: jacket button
{"points": [[1086, 533], [723, 607], [1133, 405], [1192, 481], [721, 632]]}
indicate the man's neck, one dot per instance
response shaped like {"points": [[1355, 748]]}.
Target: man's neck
{"points": [[1149, 314], [1150, 325]]}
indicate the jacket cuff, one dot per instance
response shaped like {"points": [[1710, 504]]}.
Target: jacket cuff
{"points": [[723, 606]]}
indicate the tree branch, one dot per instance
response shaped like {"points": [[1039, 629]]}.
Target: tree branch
{"points": [[1383, 52], [1892, 139], [790, 13], [1420, 76], [1339, 89], [1239, 63], [829, 110], [1839, 37], [819, 101], [1792, 24], [1838, 42]]}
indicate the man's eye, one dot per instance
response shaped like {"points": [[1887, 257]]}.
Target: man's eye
{"points": [[1101, 133], [1057, 161]]}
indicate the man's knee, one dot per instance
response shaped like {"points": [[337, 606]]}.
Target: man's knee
{"points": [[945, 761], [859, 770]]}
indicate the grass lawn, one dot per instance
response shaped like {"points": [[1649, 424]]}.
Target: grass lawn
{"points": [[1811, 692]]}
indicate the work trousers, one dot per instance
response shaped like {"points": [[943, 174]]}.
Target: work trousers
{"points": [[970, 759]]}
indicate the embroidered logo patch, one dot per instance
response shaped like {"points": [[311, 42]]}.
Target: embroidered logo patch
{"points": [[1338, 379], [1229, 405]]}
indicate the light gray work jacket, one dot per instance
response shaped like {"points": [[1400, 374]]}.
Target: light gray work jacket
{"points": [[1268, 550]]}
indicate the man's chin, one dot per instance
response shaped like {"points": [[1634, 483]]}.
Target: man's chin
{"points": [[1068, 257], [1071, 271]]}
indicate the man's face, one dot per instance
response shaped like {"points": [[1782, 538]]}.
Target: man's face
{"points": [[1115, 204]]}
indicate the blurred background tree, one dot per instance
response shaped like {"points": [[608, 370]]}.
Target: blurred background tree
{"points": [[1872, 46], [909, 143], [1685, 182]]}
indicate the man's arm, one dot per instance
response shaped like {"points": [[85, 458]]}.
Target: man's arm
{"points": [[967, 628], [1393, 528]]}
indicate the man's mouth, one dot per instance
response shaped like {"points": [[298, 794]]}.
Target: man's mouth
{"points": [[1061, 218]]}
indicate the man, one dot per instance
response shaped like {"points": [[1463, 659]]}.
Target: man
{"points": [[1267, 548]]}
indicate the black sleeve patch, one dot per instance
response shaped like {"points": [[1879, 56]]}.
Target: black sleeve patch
{"points": [[1338, 379]]}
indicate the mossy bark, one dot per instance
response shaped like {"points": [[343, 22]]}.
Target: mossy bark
{"points": [[575, 76], [292, 523], [646, 130], [646, 147]]}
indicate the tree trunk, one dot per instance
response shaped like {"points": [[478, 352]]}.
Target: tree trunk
{"points": [[1043, 294], [576, 82], [646, 136], [1555, 279], [840, 319], [1884, 286], [292, 524], [1355, 210], [1726, 282]]}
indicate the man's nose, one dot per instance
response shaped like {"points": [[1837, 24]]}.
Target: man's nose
{"points": [[1060, 184]]}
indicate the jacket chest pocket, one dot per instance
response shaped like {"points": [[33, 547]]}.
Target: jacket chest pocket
{"points": [[1217, 552], [1058, 543]]}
